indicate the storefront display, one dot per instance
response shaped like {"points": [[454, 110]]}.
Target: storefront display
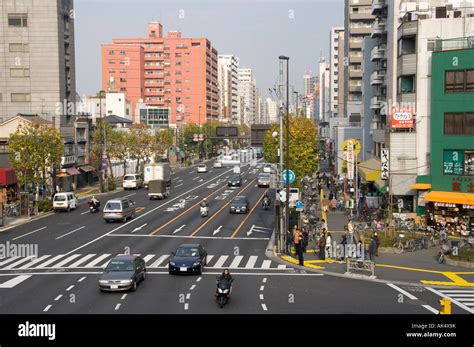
{"points": [[454, 217]]}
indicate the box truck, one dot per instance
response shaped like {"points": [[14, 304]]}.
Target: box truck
{"points": [[157, 171]]}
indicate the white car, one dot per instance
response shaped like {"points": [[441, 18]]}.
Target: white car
{"points": [[217, 164], [268, 168], [202, 168], [65, 202], [132, 181]]}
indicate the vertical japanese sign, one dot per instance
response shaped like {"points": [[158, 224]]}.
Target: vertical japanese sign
{"points": [[350, 160], [385, 164], [453, 162]]}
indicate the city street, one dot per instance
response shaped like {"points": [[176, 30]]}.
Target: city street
{"points": [[74, 247]]}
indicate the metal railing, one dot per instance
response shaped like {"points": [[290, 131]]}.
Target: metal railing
{"points": [[453, 44]]}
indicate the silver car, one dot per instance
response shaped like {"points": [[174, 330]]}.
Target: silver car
{"points": [[263, 180], [119, 210]]}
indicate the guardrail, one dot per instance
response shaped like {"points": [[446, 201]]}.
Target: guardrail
{"points": [[354, 264]]}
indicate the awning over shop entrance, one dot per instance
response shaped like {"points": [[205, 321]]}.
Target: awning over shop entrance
{"points": [[450, 197], [72, 171], [421, 186], [86, 168], [62, 174], [369, 170]]}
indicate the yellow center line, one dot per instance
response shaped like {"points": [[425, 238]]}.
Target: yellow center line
{"points": [[157, 230], [220, 210], [248, 215]]}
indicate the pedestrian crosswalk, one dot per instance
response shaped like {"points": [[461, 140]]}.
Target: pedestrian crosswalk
{"points": [[94, 261], [462, 297]]}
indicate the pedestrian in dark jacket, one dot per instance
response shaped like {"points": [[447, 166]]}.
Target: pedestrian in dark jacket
{"points": [[322, 246], [305, 234], [377, 243], [372, 248]]}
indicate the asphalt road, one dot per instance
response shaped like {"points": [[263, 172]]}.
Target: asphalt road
{"points": [[73, 247]]}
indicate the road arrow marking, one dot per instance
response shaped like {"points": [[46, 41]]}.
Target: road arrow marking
{"points": [[250, 231], [201, 180], [217, 230], [179, 229], [139, 228]]}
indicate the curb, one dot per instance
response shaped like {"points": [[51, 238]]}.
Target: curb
{"points": [[461, 263], [270, 253], [32, 219]]}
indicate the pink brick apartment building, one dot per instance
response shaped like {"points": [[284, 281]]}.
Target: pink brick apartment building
{"points": [[175, 77]]}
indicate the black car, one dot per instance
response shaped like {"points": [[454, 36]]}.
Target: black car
{"points": [[234, 181], [188, 258], [123, 273], [239, 205]]}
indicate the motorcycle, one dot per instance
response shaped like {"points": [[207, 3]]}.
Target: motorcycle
{"points": [[224, 289], [445, 250], [204, 211], [94, 207], [266, 204]]}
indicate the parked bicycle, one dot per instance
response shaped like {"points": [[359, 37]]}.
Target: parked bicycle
{"points": [[11, 210], [402, 244]]}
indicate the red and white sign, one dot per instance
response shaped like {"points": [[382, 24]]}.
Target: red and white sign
{"points": [[403, 117], [350, 160]]}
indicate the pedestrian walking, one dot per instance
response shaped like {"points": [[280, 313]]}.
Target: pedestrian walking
{"points": [[350, 231], [298, 240], [328, 247], [305, 234], [377, 244], [343, 244], [372, 248], [289, 242], [322, 246]]}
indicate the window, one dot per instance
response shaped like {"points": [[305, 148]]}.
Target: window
{"points": [[123, 79], [178, 55], [179, 81], [20, 97], [111, 71], [111, 52], [196, 44], [122, 52], [454, 81], [470, 80], [111, 61], [406, 46], [1, 97], [123, 89], [355, 10], [19, 72], [406, 84], [458, 162], [178, 63], [459, 123], [469, 163], [18, 20], [178, 73], [19, 47]]}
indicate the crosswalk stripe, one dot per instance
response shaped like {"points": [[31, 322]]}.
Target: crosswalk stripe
{"points": [[22, 260], [282, 266], [209, 258], [65, 261], [97, 260], [52, 260], [266, 264], [33, 262], [456, 291], [8, 260], [251, 262], [82, 260], [159, 260], [465, 299], [221, 261], [235, 263], [467, 303], [14, 281], [462, 295], [148, 258]]}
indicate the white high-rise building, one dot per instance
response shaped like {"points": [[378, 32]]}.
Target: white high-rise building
{"points": [[324, 93], [247, 91], [334, 70], [271, 110], [228, 81]]}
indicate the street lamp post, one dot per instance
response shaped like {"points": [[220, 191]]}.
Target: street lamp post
{"points": [[102, 130]]}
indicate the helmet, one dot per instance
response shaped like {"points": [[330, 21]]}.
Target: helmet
{"points": [[205, 199]]}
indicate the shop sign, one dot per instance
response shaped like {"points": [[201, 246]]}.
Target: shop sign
{"points": [[350, 160], [453, 162], [444, 204], [402, 117], [384, 164]]}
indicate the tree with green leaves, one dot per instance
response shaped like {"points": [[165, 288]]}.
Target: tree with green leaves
{"points": [[141, 143], [35, 147], [303, 146]]}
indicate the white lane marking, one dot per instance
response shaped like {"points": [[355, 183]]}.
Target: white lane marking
{"points": [[178, 185], [83, 213], [52, 260], [70, 287], [217, 230], [58, 297], [33, 262], [251, 262], [144, 214], [201, 180], [454, 301], [281, 267], [221, 261], [235, 263], [8, 260], [404, 292], [65, 261], [14, 281], [262, 288], [159, 260], [261, 297], [264, 307], [195, 178], [250, 231], [82, 260], [186, 306], [461, 295], [158, 272], [264, 280], [429, 308], [69, 233], [31, 232], [22, 260], [188, 296], [97, 260], [123, 297], [266, 264], [46, 309], [148, 258], [139, 228], [82, 279], [199, 279], [209, 258], [179, 229], [190, 237], [192, 287], [117, 307], [129, 195]]}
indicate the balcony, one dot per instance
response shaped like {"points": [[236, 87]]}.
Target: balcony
{"points": [[361, 16], [378, 28], [360, 30], [376, 102], [355, 57], [407, 29], [355, 73], [355, 87], [406, 64], [377, 77], [377, 53], [378, 6], [355, 44]]}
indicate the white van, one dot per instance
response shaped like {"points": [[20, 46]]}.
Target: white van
{"points": [[64, 202]]}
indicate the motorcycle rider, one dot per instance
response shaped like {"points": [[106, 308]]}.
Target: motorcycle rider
{"points": [[225, 276], [266, 200], [204, 206], [94, 203]]}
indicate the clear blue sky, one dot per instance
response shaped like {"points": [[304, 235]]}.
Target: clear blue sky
{"points": [[256, 31]]}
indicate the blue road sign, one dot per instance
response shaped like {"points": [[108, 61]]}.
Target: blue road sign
{"points": [[299, 205], [291, 177]]}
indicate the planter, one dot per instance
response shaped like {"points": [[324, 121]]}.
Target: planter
{"points": [[386, 250], [461, 263]]}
